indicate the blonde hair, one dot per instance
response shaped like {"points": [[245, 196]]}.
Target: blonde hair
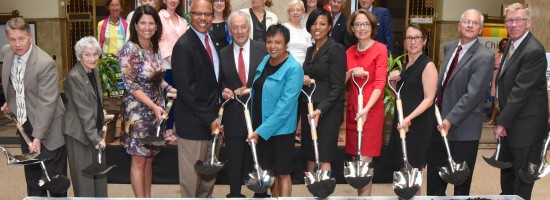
{"points": [[516, 7], [18, 23]]}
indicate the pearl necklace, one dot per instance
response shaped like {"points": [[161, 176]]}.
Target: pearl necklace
{"points": [[371, 42]]}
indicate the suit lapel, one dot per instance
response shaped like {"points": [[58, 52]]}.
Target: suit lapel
{"points": [[446, 60], [465, 58], [515, 55], [232, 66], [85, 80], [255, 59], [321, 50], [6, 71], [29, 66]]}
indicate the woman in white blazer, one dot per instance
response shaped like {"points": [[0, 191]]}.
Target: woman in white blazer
{"points": [[261, 19]]}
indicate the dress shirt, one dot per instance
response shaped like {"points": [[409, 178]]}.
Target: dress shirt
{"points": [[214, 51], [465, 48], [24, 59], [246, 56]]}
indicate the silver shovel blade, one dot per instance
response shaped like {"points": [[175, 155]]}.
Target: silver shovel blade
{"points": [[456, 174], [358, 174], [319, 184], [407, 183], [534, 172], [259, 185], [207, 168]]}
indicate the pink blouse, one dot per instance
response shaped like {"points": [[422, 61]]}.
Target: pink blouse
{"points": [[170, 33]]}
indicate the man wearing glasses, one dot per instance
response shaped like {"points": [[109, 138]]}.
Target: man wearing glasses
{"points": [[464, 77], [521, 92], [196, 68]]}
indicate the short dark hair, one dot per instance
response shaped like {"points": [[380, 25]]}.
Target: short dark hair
{"points": [[417, 27], [278, 29], [179, 8], [146, 10], [314, 15], [372, 20], [500, 48], [108, 2]]}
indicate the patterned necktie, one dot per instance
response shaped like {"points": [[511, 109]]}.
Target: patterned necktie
{"points": [[20, 92], [508, 56], [242, 70], [454, 62], [208, 50]]}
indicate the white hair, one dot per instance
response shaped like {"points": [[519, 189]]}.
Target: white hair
{"points": [[84, 43]]}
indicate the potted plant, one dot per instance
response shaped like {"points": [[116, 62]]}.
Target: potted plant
{"points": [[110, 75], [389, 99]]}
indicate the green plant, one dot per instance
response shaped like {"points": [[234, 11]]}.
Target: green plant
{"points": [[110, 75], [389, 99]]}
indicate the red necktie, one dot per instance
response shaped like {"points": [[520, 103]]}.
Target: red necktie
{"points": [[449, 73], [208, 50], [242, 70]]}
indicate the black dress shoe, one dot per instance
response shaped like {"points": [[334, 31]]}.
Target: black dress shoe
{"points": [[261, 195], [235, 196]]}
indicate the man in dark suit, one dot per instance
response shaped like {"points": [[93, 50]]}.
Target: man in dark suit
{"points": [[339, 31], [29, 80], [523, 101], [385, 30], [196, 66], [238, 64], [465, 75]]}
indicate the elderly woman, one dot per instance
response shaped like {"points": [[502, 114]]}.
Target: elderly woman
{"points": [[326, 64], [143, 99], [84, 119], [173, 27], [300, 39], [112, 30], [261, 19], [222, 9], [275, 93], [366, 57]]}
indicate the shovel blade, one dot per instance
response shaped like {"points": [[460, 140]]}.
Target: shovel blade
{"points": [[407, 183], [58, 184], [456, 174], [152, 140], [259, 185], [97, 169], [323, 188], [358, 174], [207, 168], [534, 172], [498, 164]]}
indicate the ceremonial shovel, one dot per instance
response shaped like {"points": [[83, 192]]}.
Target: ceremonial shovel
{"points": [[157, 140], [213, 165], [100, 168], [535, 172]]}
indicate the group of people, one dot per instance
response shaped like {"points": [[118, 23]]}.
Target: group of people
{"points": [[221, 54]]}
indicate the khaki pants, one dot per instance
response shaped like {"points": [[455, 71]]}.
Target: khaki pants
{"points": [[193, 184]]}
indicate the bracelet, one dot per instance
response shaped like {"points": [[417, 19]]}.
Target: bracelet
{"points": [[167, 89]]}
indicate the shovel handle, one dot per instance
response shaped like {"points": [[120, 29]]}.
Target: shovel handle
{"points": [[399, 106], [109, 117], [312, 122], [439, 121], [248, 123], [172, 95], [359, 109], [220, 117]]}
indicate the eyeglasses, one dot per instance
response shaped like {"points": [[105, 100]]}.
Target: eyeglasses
{"points": [[361, 24], [416, 39], [471, 23], [517, 21], [236, 28], [293, 10], [198, 14]]}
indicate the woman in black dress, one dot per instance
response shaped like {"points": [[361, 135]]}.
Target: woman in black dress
{"points": [[325, 63], [419, 81], [222, 9]]}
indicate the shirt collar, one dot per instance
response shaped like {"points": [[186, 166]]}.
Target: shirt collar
{"points": [[466, 46], [518, 42], [245, 47], [25, 56]]}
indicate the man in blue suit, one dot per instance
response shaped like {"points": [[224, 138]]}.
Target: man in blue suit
{"points": [[385, 30]]}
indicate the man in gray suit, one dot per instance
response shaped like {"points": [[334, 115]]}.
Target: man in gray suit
{"points": [[29, 80], [464, 77], [238, 64], [523, 101]]}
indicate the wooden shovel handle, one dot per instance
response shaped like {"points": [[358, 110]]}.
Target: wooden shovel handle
{"points": [[399, 106], [312, 122], [439, 122]]}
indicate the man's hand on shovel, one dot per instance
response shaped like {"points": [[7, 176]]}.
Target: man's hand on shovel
{"points": [[499, 131]]}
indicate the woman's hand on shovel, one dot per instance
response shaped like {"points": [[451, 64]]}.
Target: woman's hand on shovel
{"points": [[254, 136], [315, 115], [100, 145], [405, 125], [363, 114]]}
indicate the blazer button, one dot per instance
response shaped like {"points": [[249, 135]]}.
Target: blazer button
{"points": [[265, 101]]}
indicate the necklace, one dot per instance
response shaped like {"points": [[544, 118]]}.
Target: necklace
{"points": [[371, 42], [115, 24]]}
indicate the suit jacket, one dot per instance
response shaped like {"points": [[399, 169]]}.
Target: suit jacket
{"points": [[43, 102], [81, 115], [198, 90], [234, 123], [328, 68], [464, 94], [385, 31], [339, 32], [522, 94]]}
